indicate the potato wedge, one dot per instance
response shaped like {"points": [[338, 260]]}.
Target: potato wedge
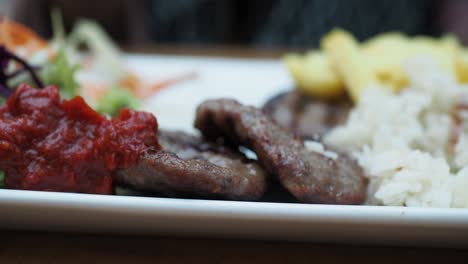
{"points": [[345, 65], [352, 66], [461, 66], [314, 75]]}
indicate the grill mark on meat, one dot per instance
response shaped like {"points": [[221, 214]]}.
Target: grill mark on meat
{"points": [[311, 177], [190, 166], [309, 118]]}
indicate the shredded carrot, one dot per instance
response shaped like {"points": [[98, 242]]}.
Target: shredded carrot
{"points": [[131, 82], [141, 89], [93, 91], [158, 86], [14, 35]]}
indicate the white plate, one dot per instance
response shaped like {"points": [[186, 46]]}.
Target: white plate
{"points": [[251, 81]]}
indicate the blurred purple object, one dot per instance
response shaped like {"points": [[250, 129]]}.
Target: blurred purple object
{"points": [[453, 18], [5, 57]]}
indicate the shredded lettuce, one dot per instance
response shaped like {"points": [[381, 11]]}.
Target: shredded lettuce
{"points": [[107, 57], [58, 29], [99, 44], [115, 99], [59, 71], [2, 179]]}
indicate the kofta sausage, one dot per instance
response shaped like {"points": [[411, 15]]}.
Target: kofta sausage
{"points": [[305, 116], [189, 166], [310, 176]]}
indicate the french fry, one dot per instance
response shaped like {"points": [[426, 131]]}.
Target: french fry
{"points": [[381, 43], [443, 51], [451, 47], [345, 65], [385, 53], [461, 66], [314, 75], [345, 54]]}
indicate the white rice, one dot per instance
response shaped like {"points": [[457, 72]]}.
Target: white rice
{"points": [[402, 140], [318, 147]]}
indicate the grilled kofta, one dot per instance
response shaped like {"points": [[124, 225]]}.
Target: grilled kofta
{"points": [[309, 118], [309, 175], [189, 166]]}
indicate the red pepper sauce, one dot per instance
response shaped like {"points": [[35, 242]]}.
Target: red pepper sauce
{"points": [[53, 145]]}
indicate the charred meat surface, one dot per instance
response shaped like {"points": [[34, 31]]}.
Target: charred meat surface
{"points": [[189, 166], [307, 117], [310, 176]]}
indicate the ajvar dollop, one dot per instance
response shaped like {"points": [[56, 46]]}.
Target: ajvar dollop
{"points": [[51, 144]]}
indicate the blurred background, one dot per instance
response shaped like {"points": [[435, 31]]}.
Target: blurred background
{"points": [[257, 23]]}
